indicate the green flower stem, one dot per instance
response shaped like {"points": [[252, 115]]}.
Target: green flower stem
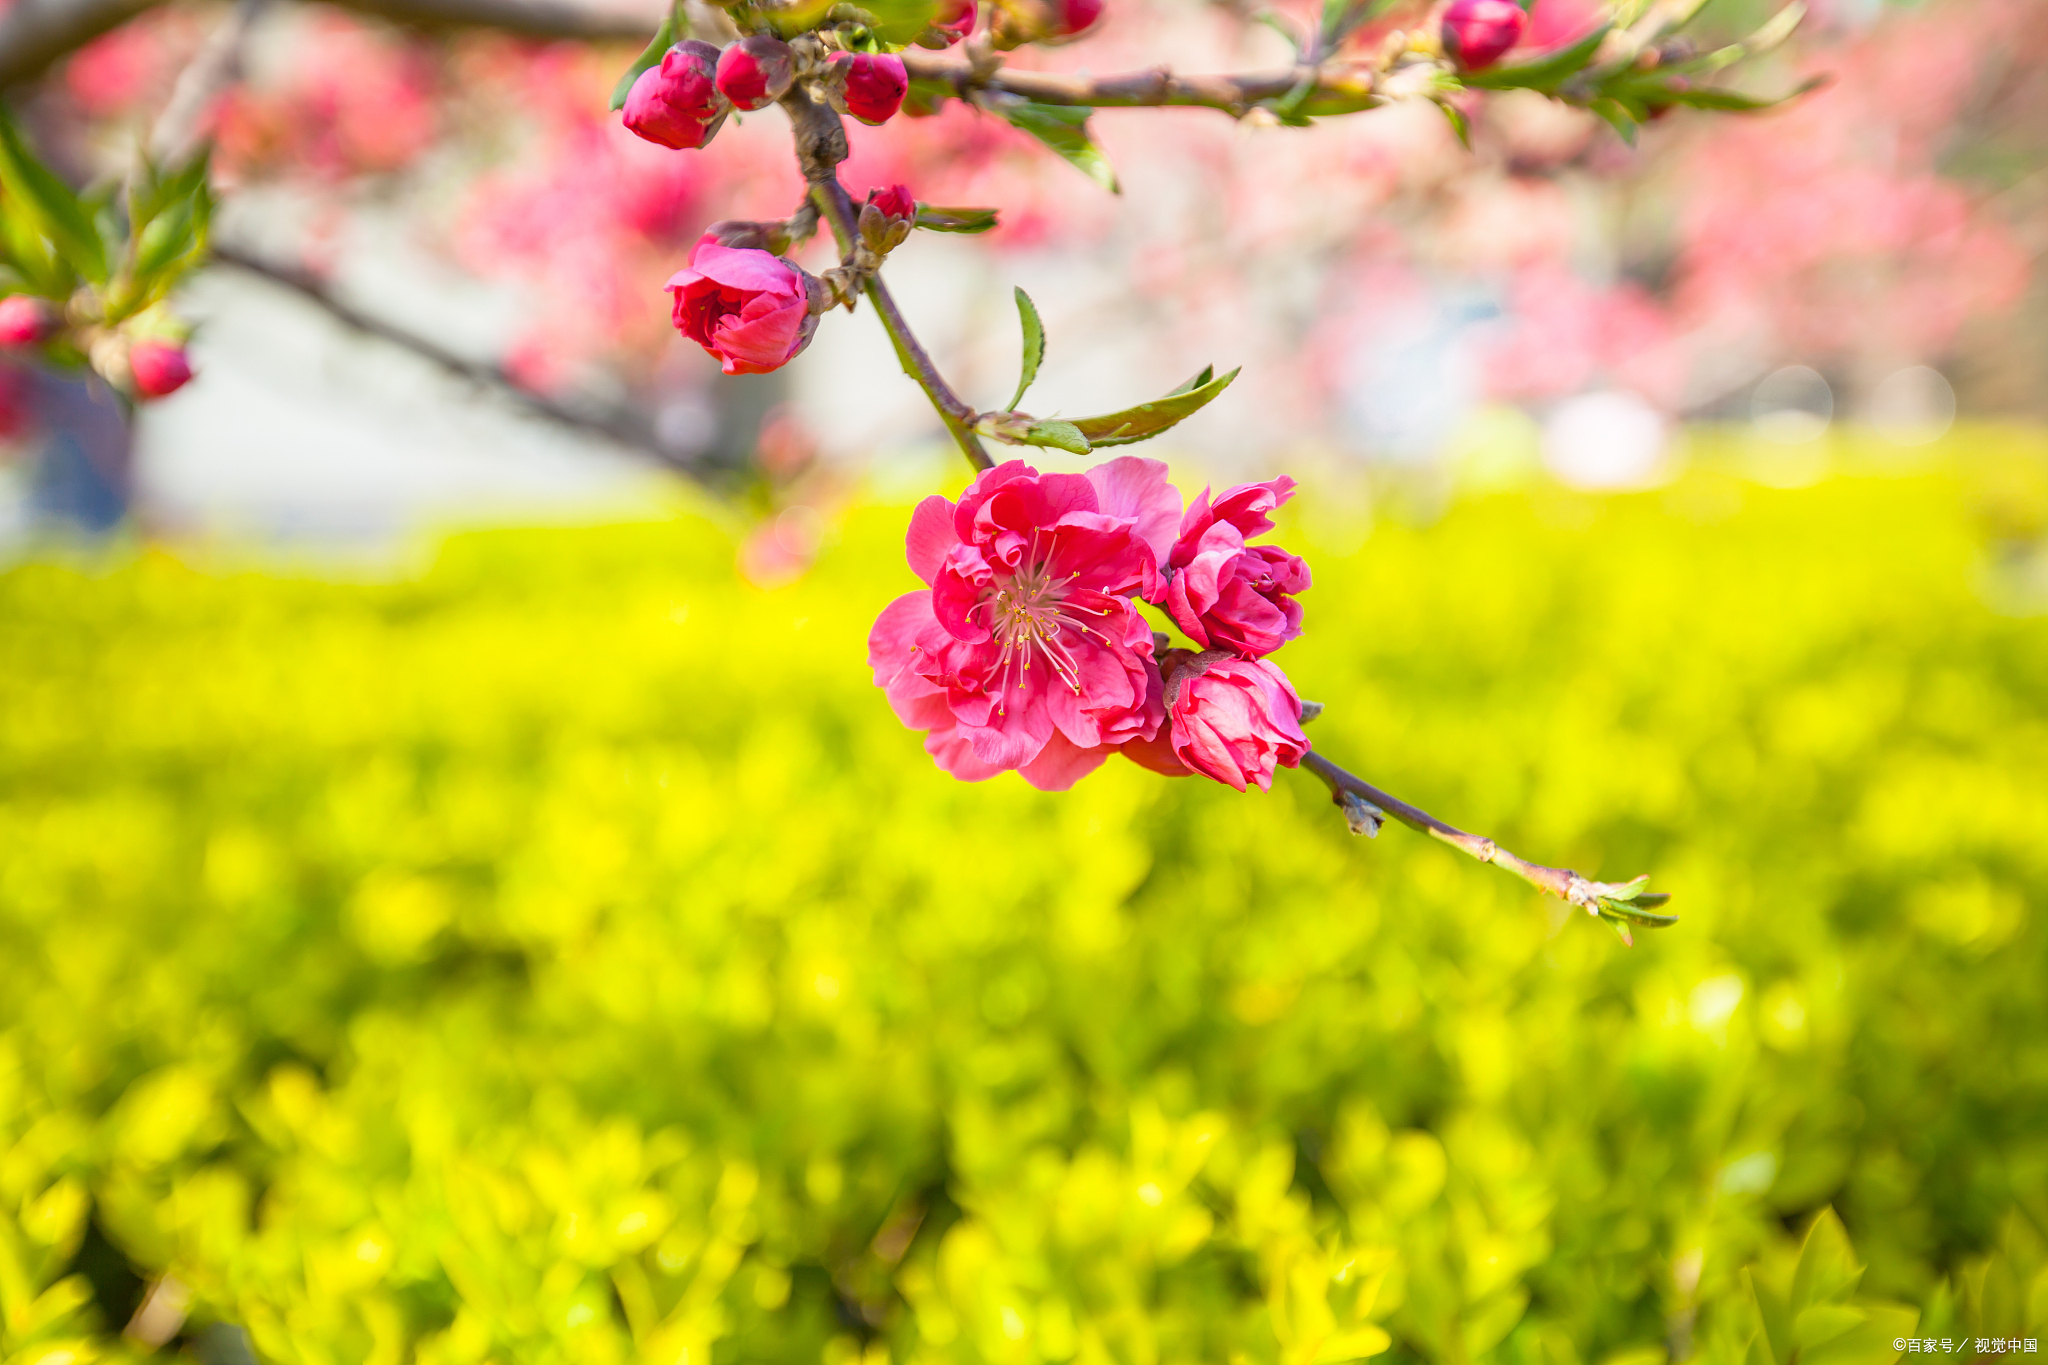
{"points": [[821, 146], [1561, 882]]}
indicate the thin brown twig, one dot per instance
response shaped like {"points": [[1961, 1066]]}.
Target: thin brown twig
{"points": [[1332, 93], [821, 146], [622, 429], [1561, 882]]}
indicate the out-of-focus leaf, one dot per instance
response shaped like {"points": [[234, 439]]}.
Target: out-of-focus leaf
{"points": [[941, 218], [1545, 74], [1147, 420], [1460, 125], [34, 190], [1065, 130]]}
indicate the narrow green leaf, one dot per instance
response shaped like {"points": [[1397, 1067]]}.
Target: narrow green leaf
{"points": [[1617, 118], [1051, 431], [1147, 420], [37, 191], [1034, 348], [30, 256], [1065, 130], [1634, 914], [1281, 25], [650, 56], [1545, 73], [1208, 373], [938, 218], [1459, 123]]}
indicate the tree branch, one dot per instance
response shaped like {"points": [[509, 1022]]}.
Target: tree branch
{"points": [[821, 146], [36, 34], [1234, 95], [1620, 903], [623, 429]]}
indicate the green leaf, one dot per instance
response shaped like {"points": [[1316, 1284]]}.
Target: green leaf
{"points": [[650, 57], [935, 218], [35, 190], [1034, 349], [1279, 24], [1147, 420], [1617, 117], [1459, 123], [1065, 130], [1208, 372], [1051, 431], [1545, 73], [1342, 18], [1774, 1323]]}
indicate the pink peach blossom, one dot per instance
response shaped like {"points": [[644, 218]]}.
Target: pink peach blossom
{"points": [[749, 308], [1225, 594], [1025, 651], [1231, 719]]}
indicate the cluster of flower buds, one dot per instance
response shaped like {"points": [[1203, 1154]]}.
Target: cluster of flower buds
{"points": [[1027, 651], [682, 100], [144, 364]]}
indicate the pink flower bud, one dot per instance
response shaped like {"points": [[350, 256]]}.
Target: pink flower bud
{"points": [[1478, 33], [158, 367], [894, 202], [954, 21], [1075, 16], [749, 309], [755, 71], [26, 320], [676, 102], [1232, 719], [876, 83]]}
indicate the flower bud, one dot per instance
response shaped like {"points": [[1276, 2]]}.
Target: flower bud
{"points": [[752, 311], [1478, 33], [876, 83], [26, 320], [887, 218], [895, 202], [954, 21], [1044, 21], [744, 234], [756, 71], [158, 367], [1075, 16], [676, 102], [1232, 719]]}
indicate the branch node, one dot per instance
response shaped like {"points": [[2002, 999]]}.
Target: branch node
{"points": [[1361, 815]]}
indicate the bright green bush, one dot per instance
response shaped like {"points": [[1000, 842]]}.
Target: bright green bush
{"points": [[566, 957]]}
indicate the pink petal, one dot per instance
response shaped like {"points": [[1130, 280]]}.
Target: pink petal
{"points": [[1062, 763], [931, 537], [1130, 486]]}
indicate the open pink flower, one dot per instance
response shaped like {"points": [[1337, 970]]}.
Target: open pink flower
{"points": [[1025, 652], [1225, 594], [749, 308], [1232, 719]]}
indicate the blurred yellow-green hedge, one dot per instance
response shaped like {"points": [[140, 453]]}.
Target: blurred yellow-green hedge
{"points": [[565, 957]]}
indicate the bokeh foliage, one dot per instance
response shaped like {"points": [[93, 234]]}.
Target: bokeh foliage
{"points": [[564, 956]]}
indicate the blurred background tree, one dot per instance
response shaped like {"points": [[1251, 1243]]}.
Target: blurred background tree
{"points": [[443, 176]]}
